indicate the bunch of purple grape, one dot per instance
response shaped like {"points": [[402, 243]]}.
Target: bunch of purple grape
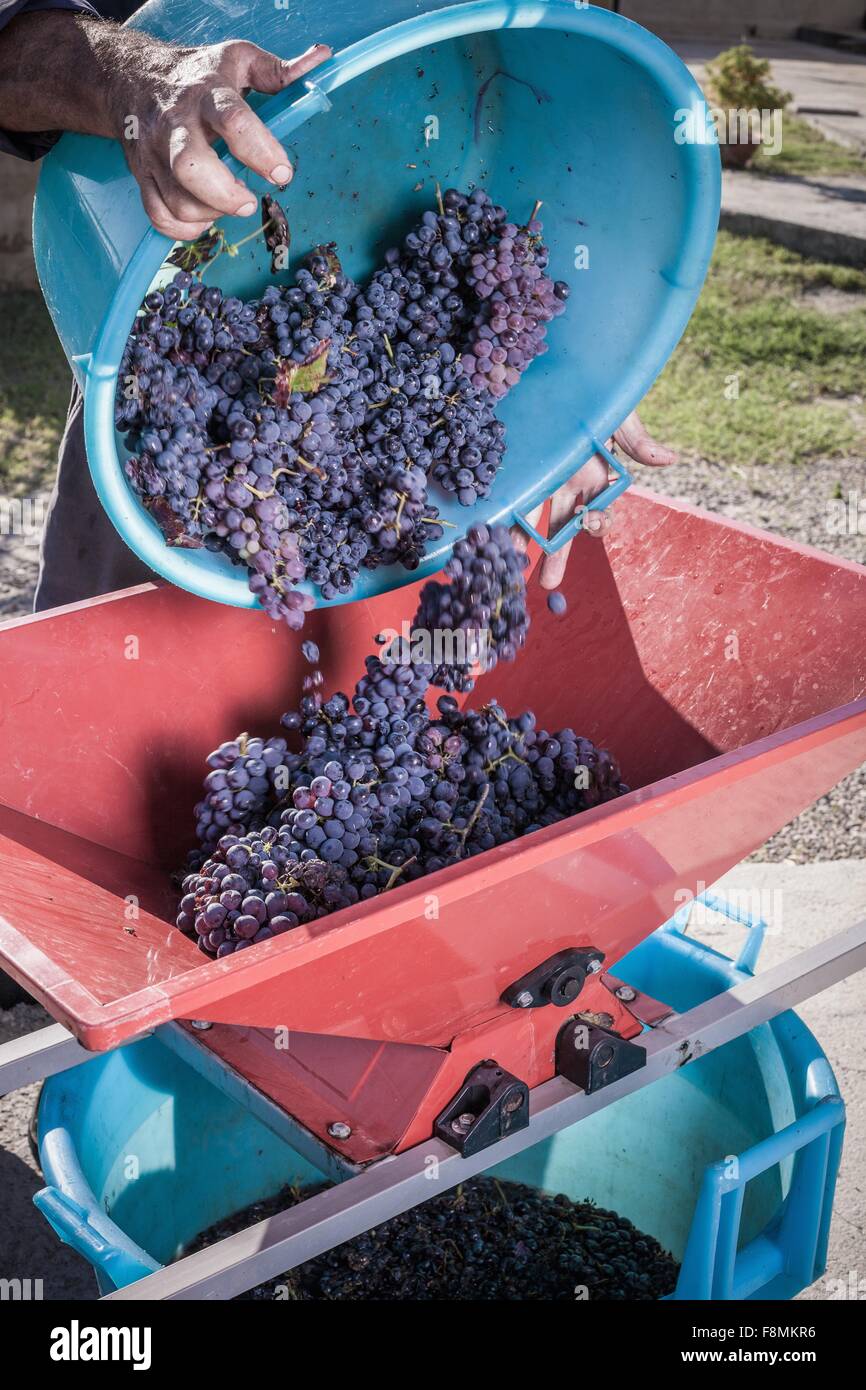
{"points": [[366, 792], [484, 604], [518, 302], [300, 433]]}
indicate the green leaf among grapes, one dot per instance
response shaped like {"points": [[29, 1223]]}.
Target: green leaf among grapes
{"points": [[305, 377], [191, 254], [170, 524]]}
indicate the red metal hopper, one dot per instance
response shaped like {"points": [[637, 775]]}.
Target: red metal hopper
{"points": [[725, 668]]}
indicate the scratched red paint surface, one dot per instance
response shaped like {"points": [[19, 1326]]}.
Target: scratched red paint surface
{"points": [[107, 710]]}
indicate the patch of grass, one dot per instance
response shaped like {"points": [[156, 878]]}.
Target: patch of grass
{"points": [[761, 374], [738, 260], [34, 393], [808, 152]]}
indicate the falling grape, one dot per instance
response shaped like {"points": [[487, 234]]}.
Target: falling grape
{"points": [[383, 790]]}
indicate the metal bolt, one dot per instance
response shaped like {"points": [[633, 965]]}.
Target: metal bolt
{"points": [[626, 993], [604, 1056], [593, 967], [524, 999], [338, 1129], [463, 1123], [200, 1025], [598, 1020]]}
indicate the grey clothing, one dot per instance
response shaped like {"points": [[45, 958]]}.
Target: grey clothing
{"points": [[82, 555]]}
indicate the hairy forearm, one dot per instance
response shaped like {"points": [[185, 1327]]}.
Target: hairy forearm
{"points": [[60, 71], [167, 106]]}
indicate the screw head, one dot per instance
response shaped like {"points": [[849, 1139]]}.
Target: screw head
{"points": [[593, 967], [338, 1129], [524, 999], [463, 1123], [200, 1025], [626, 993]]}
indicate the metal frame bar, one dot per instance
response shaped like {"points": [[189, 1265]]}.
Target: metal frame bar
{"points": [[394, 1185], [37, 1055]]}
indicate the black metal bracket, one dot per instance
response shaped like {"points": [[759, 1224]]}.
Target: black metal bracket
{"points": [[557, 980], [490, 1104], [592, 1057]]}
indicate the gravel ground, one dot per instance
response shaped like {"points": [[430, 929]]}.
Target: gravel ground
{"points": [[19, 569], [792, 503], [29, 1247]]}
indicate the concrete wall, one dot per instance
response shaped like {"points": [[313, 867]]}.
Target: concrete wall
{"points": [[708, 19], [711, 19]]}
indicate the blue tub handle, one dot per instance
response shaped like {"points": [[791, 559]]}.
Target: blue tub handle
{"points": [[71, 1222], [791, 1252], [598, 504], [756, 927]]}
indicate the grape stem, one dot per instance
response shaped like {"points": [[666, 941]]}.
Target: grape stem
{"points": [[473, 818], [374, 862], [232, 247], [305, 463], [510, 753]]}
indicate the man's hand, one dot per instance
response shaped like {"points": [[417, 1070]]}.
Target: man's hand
{"points": [[192, 98], [587, 483], [165, 105]]}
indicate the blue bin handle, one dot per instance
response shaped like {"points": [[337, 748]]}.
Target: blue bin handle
{"points": [[70, 1221], [598, 504], [791, 1253], [756, 927]]}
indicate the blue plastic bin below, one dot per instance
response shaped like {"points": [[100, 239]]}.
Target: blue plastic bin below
{"points": [[731, 1162]]}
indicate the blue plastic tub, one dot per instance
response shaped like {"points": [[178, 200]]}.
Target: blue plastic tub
{"points": [[731, 1163], [531, 98]]}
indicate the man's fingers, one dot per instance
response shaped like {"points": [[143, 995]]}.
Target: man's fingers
{"points": [[267, 73], [250, 141], [598, 523], [552, 572], [203, 177], [561, 511], [182, 205], [562, 504], [553, 567], [640, 446], [587, 483], [519, 536], [161, 216]]}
